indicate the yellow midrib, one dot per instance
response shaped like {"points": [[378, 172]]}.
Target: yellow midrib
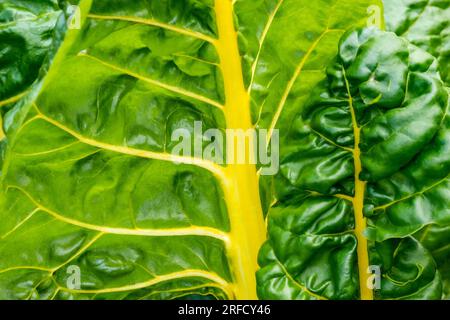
{"points": [[240, 182], [358, 205], [241, 192], [360, 223]]}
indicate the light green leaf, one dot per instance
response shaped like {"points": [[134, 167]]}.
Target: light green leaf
{"points": [[94, 205]]}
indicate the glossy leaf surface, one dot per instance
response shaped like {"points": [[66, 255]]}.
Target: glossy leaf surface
{"points": [[426, 24], [371, 142], [26, 35], [94, 205]]}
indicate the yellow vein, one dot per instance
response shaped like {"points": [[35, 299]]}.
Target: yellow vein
{"points": [[145, 269], [25, 268], [330, 141], [81, 251], [196, 59], [67, 146], [53, 297], [414, 295], [358, 205], [155, 23], [13, 99], [51, 271], [188, 231], [17, 226], [336, 195], [301, 287], [25, 124], [189, 273], [205, 164], [182, 291], [261, 107], [262, 40], [387, 205], [292, 81], [33, 289], [168, 87]]}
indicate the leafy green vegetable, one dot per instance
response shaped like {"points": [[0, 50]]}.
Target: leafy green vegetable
{"points": [[427, 25], [94, 205], [26, 37], [30, 34], [372, 141]]}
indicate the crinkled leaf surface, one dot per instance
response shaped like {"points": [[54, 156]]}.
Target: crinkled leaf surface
{"points": [[27, 33], [425, 23], [30, 34], [88, 180], [371, 142]]}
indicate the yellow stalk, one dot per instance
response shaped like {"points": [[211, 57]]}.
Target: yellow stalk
{"points": [[358, 205], [241, 192]]}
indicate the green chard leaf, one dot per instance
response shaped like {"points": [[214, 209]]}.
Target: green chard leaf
{"points": [[426, 24], [28, 31], [30, 34], [372, 141], [94, 204]]}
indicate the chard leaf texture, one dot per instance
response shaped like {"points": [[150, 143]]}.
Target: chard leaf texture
{"points": [[95, 202]]}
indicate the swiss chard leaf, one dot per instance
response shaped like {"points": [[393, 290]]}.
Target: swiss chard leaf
{"points": [[95, 206], [30, 34], [426, 24], [27, 34], [371, 142]]}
